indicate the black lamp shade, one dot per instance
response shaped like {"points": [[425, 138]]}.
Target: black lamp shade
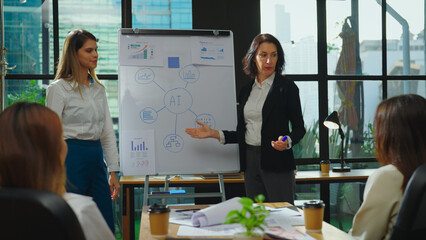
{"points": [[332, 121]]}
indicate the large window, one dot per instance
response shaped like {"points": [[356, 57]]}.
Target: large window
{"points": [[30, 30], [356, 102], [363, 52], [405, 37], [294, 24], [27, 38], [349, 60], [162, 14]]}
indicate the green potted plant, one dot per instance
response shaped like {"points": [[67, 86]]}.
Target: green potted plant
{"points": [[251, 217]]}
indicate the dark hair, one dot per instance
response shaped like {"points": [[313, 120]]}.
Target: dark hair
{"points": [[400, 133], [30, 148], [249, 64]]}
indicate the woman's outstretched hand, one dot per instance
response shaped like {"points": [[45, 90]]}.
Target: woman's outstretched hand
{"points": [[202, 132]]}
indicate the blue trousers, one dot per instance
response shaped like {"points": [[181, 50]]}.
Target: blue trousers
{"points": [[86, 175]]}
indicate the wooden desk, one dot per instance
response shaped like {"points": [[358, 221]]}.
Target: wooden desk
{"points": [[302, 177], [328, 231]]}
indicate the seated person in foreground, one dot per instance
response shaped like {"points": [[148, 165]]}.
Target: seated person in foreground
{"points": [[400, 137], [32, 155]]}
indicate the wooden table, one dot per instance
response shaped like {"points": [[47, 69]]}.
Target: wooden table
{"points": [[328, 232], [302, 177]]}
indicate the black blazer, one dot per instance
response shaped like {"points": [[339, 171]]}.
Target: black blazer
{"points": [[282, 106]]}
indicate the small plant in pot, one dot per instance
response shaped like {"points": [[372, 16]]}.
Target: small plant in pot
{"points": [[251, 217]]}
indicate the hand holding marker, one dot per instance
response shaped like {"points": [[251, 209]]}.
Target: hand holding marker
{"points": [[282, 139]]}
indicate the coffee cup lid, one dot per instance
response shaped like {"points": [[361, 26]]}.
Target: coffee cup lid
{"points": [[324, 161], [158, 208], [314, 204]]}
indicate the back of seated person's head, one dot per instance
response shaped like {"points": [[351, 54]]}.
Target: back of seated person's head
{"points": [[31, 148], [400, 133]]}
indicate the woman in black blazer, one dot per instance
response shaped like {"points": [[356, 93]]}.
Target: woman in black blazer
{"points": [[267, 107]]}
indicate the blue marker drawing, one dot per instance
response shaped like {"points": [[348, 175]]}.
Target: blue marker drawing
{"points": [[284, 138], [144, 76]]}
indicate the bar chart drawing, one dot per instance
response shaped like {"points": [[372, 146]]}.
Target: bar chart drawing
{"points": [[138, 145], [144, 53]]}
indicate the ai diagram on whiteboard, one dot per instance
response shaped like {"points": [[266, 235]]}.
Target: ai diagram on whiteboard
{"points": [[176, 101], [166, 84]]}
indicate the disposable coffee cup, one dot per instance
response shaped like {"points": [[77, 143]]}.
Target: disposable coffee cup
{"points": [[314, 214], [159, 220], [325, 167]]}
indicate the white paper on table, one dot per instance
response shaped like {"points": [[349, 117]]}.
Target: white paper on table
{"points": [[217, 230], [182, 218], [286, 216], [215, 214]]}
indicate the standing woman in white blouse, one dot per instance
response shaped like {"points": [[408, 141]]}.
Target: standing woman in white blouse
{"points": [[79, 99]]}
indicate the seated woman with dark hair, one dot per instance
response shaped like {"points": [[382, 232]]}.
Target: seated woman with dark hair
{"points": [[400, 136], [32, 155]]}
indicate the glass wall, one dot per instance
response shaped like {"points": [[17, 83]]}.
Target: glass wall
{"points": [[354, 38], [356, 102], [294, 24], [25, 90], [405, 37], [308, 147], [162, 14], [27, 37], [104, 23], [398, 87]]}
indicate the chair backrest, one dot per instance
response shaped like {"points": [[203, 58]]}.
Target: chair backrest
{"points": [[411, 219], [33, 214]]}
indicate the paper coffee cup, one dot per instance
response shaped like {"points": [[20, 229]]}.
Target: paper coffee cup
{"points": [[314, 214], [325, 166], [159, 220]]}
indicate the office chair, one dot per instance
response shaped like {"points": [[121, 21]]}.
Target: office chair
{"points": [[34, 214], [411, 219]]}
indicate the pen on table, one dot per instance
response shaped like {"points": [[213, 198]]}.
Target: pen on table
{"points": [[284, 138], [185, 210]]}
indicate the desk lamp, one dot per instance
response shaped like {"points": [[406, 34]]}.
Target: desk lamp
{"points": [[332, 122]]}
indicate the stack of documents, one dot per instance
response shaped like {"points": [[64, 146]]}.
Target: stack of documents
{"points": [[208, 221]]}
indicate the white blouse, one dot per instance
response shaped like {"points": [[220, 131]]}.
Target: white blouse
{"points": [[84, 116], [382, 199], [253, 110], [91, 220]]}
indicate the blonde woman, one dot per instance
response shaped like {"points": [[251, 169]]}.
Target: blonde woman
{"points": [[79, 99]]}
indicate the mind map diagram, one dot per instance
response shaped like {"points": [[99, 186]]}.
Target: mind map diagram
{"points": [[177, 101]]}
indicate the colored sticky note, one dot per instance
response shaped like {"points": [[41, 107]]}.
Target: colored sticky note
{"points": [[173, 62]]}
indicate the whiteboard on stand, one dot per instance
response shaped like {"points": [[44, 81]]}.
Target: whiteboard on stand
{"points": [[168, 79]]}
